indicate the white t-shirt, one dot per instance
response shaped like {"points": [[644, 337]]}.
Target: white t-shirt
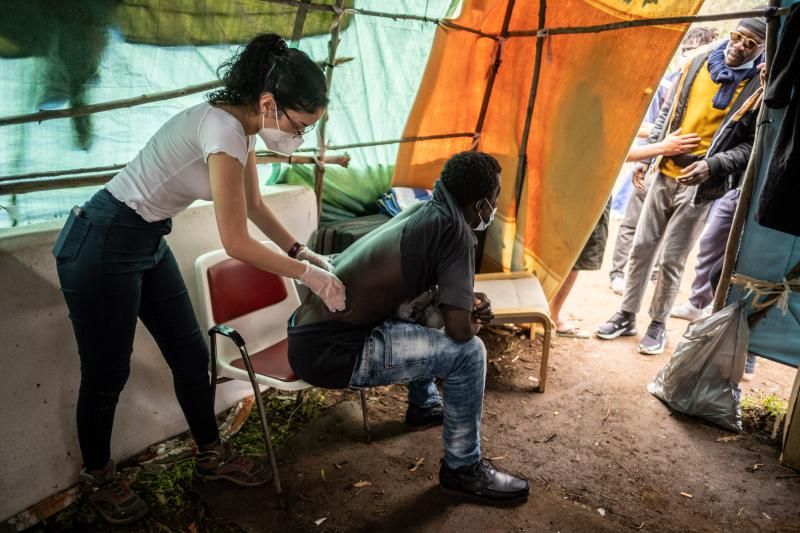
{"points": [[171, 171]]}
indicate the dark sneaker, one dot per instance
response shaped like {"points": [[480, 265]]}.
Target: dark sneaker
{"points": [[424, 417], [622, 324], [654, 340], [223, 462], [113, 500], [483, 483]]}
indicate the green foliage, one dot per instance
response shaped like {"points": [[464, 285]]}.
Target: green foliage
{"points": [[167, 488], [769, 405], [286, 417]]}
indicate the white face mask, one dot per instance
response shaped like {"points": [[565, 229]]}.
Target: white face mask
{"points": [[484, 224], [279, 141]]}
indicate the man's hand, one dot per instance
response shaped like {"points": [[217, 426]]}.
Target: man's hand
{"points": [[482, 311], [695, 173], [639, 171], [675, 144]]}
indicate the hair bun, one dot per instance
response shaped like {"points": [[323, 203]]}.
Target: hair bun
{"points": [[280, 46]]}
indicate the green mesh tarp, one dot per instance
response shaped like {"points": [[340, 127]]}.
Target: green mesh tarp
{"points": [[57, 55]]}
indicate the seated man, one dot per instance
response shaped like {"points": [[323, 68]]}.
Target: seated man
{"points": [[426, 246]]}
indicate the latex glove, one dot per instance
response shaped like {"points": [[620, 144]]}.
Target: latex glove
{"points": [[314, 258], [325, 285]]}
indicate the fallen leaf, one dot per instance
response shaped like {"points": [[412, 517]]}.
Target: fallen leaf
{"points": [[361, 484], [417, 464], [321, 520], [686, 494]]}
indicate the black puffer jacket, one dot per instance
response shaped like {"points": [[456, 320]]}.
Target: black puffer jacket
{"points": [[732, 143], [777, 207]]}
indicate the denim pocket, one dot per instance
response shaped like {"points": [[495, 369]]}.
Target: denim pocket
{"points": [[72, 236]]}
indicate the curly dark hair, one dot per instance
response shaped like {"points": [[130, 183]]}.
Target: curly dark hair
{"points": [[470, 176], [267, 64], [699, 36]]}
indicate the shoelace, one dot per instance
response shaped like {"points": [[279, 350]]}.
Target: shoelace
{"points": [[117, 489], [654, 330]]}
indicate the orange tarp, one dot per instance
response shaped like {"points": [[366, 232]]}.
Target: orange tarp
{"points": [[593, 92]]}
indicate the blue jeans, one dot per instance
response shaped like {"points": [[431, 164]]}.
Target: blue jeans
{"points": [[401, 352], [114, 267]]}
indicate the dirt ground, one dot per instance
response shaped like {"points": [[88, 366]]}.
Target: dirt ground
{"points": [[602, 454]]}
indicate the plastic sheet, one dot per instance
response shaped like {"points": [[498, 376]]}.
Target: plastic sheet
{"points": [[702, 376]]}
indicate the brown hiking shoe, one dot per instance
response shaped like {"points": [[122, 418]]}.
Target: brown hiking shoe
{"points": [[223, 462], [110, 496]]}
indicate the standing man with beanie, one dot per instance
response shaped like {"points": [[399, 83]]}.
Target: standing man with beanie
{"points": [[711, 91]]}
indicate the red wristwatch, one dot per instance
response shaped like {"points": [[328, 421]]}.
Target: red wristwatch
{"points": [[294, 250]]}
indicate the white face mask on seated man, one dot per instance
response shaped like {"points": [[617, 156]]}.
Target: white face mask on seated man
{"points": [[483, 224]]}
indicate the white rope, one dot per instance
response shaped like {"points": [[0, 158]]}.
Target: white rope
{"points": [[767, 293]]}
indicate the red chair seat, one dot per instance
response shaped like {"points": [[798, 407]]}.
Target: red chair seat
{"points": [[271, 362]]}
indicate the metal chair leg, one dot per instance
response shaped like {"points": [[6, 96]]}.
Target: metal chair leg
{"points": [[264, 426], [213, 343], [366, 417]]}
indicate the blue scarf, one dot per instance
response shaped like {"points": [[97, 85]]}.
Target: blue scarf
{"points": [[727, 78]]}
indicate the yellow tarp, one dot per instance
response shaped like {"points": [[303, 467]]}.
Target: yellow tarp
{"points": [[593, 92]]}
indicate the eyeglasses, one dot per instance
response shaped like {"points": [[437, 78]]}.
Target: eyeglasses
{"points": [[747, 42], [299, 127]]}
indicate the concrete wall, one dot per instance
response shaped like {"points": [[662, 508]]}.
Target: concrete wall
{"points": [[39, 452]]}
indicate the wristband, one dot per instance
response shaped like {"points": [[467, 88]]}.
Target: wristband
{"points": [[294, 250]]}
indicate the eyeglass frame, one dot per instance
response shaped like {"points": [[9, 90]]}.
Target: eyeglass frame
{"points": [[737, 36], [303, 129]]}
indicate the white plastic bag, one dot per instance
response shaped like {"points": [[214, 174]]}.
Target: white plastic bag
{"points": [[702, 376]]}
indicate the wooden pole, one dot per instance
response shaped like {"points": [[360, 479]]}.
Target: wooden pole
{"points": [[51, 173], [522, 157], [498, 59], [108, 106], [319, 170], [391, 141], [38, 184], [661, 21], [261, 157], [748, 185], [80, 111]]}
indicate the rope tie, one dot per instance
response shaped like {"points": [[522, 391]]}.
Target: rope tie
{"points": [[767, 293], [475, 138], [337, 21]]}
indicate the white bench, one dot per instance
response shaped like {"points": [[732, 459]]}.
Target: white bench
{"points": [[518, 298]]}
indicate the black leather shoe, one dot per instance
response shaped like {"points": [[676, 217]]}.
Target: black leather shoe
{"points": [[482, 482], [424, 417]]}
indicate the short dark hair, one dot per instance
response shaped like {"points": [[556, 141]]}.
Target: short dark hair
{"points": [[267, 64], [470, 176]]}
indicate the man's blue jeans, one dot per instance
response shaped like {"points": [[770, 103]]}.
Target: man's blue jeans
{"points": [[401, 352]]}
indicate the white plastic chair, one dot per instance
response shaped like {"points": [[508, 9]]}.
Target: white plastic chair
{"points": [[250, 307]]}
